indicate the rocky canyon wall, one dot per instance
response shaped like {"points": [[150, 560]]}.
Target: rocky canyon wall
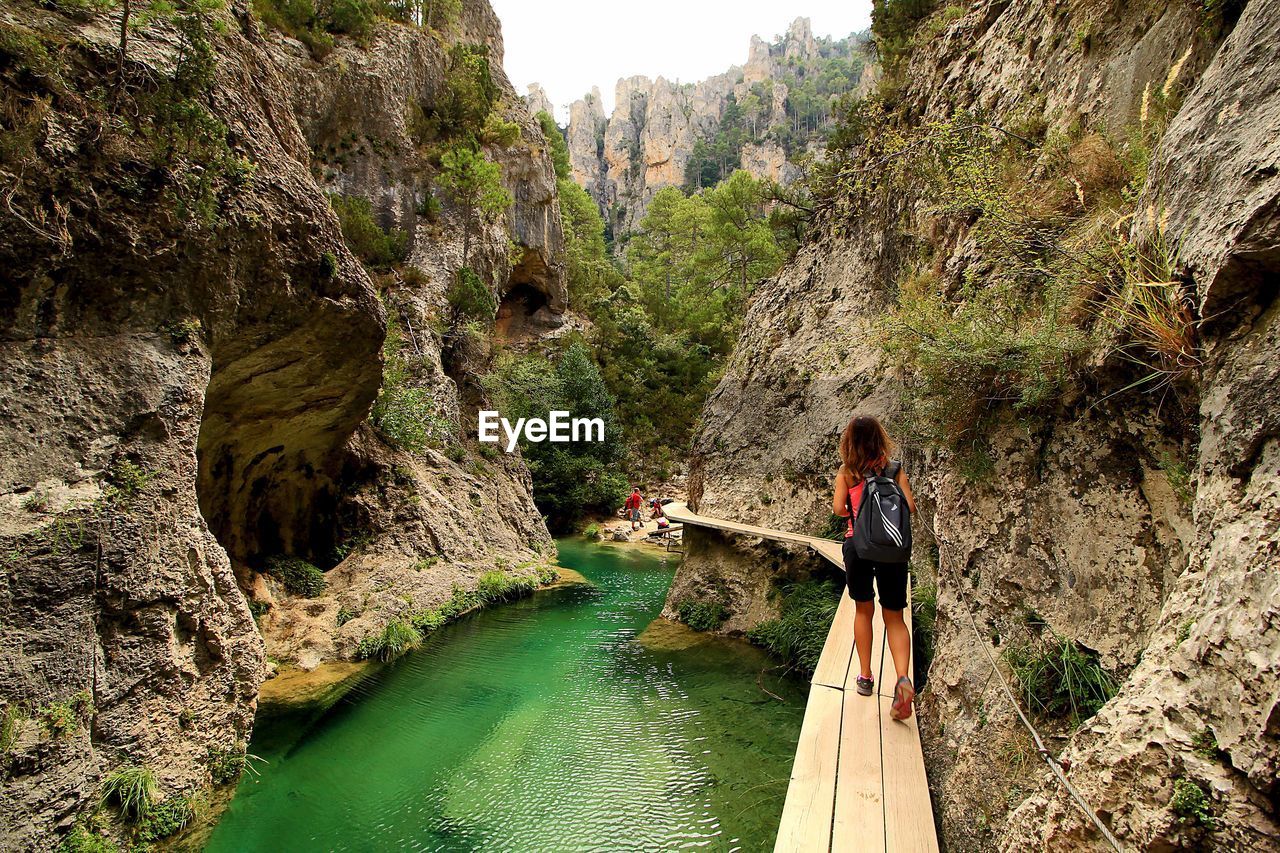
{"points": [[190, 354], [1082, 527]]}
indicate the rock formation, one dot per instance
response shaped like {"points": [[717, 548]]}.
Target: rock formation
{"points": [[190, 354], [647, 142], [1081, 527], [538, 101]]}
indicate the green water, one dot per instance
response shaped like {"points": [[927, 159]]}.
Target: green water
{"points": [[540, 725]]}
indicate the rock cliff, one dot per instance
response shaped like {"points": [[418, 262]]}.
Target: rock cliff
{"points": [[1083, 526], [190, 355], [649, 140]]}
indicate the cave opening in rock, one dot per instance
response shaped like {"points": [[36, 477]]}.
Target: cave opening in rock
{"points": [[522, 313], [277, 414]]}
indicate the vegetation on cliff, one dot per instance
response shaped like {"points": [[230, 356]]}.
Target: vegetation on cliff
{"points": [[575, 477], [813, 85], [666, 315], [1065, 264]]}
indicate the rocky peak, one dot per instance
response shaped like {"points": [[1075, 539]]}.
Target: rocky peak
{"points": [[648, 141], [537, 100]]}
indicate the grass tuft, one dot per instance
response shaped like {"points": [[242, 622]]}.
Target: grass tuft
{"points": [[396, 638], [797, 636], [132, 790], [1059, 679]]}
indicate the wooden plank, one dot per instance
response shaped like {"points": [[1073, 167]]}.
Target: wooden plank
{"points": [[908, 812], [807, 813], [832, 551], [859, 815], [681, 513], [837, 652]]}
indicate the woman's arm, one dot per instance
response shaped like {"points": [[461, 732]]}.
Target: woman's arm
{"points": [[905, 485], [840, 500]]}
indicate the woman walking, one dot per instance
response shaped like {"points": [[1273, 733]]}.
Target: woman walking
{"points": [[865, 450]]}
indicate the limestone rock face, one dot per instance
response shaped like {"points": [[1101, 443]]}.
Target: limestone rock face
{"points": [[1081, 524], [185, 392], [537, 100], [648, 140], [415, 525]]}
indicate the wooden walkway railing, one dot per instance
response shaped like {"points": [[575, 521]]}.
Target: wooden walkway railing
{"points": [[858, 780]]}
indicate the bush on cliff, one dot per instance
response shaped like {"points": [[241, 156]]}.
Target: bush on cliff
{"points": [[297, 576]]}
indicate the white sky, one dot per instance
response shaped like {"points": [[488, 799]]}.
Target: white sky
{"points": [[570, 45]]}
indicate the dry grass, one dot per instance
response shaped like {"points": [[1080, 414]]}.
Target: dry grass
{"points": [[1153, 311]]}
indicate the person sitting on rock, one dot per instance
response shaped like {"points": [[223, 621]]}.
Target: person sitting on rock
{"points": [[655, 506]]}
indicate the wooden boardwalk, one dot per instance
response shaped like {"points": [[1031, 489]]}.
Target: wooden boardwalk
{"points": [[858, 780]]}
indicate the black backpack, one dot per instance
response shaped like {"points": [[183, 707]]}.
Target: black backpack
{"points": [[882, 530]]}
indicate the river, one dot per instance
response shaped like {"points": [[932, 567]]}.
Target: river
{"points": [[547, 724]]}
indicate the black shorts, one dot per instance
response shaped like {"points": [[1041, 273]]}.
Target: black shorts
{"points": [[890, 578]]}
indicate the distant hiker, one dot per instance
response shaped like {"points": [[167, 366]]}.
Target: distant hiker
{"points": [[873, 492], [655, 507], [634, 502]]}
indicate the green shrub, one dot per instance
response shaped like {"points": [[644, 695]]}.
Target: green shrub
{"points": [[396, 638], [37, 501], [258, 609], [591, 531], [62, 719], [702, 615], [470, 297], [405, 414], [1191, 804], [227, 764], [1206, 745], [125, 481], [462, 108], [83, 840], [893, 26], [297, 576], [1060, 679], [345, 615], [167, 818], [353, 17], [996, 346], [378, 248], [132, 790], [799, 633]]}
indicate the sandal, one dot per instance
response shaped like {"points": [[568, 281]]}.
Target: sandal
{"points": [[866, 685], [903, 694]]}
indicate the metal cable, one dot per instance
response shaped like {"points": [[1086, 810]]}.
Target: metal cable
{"points": [[1044, 753]]}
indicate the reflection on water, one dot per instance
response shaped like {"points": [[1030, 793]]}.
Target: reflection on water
{"points": [[541, 725]]}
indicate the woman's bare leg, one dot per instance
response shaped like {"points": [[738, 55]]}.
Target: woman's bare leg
{"points": [[863, 613], [899, 640]]}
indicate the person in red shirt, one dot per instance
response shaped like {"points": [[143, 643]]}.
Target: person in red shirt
{"points": [[633, 504]]}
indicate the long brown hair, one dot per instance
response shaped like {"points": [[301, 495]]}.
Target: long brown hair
{"points": [[864, 445]]}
